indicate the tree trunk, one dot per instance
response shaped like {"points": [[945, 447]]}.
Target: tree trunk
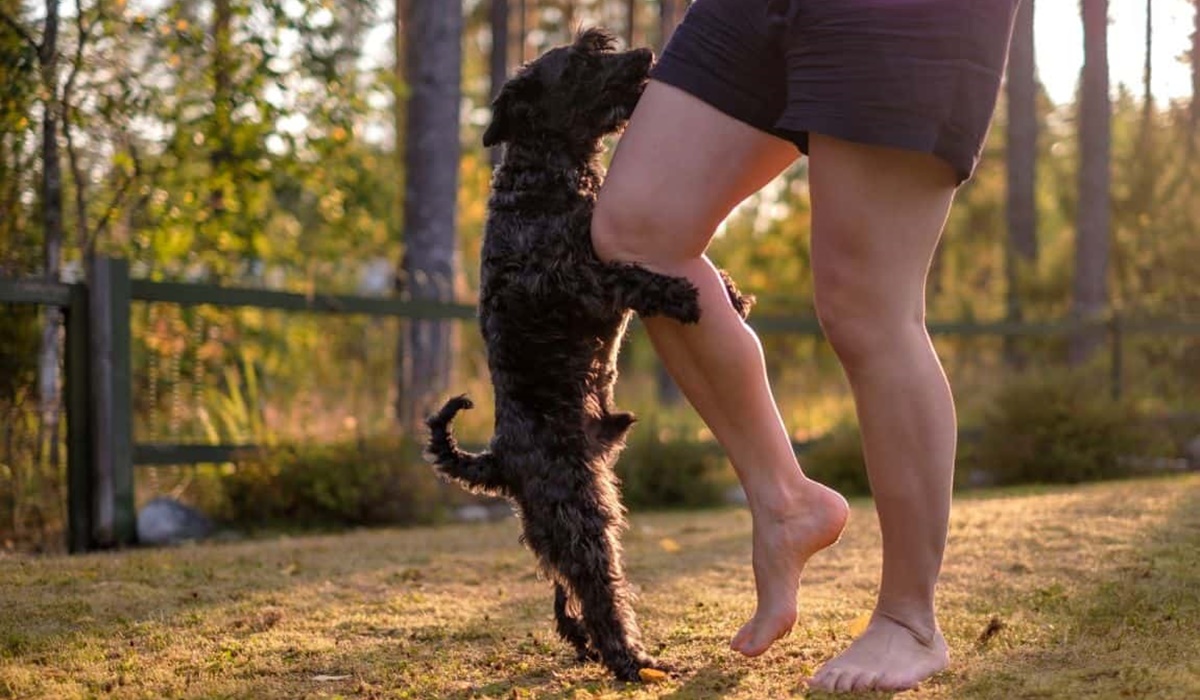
{"points": [[52, 214], [399, 114], [433, 59], [1021, 154], [1194, 111], [1022, 137], [1092, 239], [523, 30], [222, 68], [1021, 87], [1194, 105], [1145, 179], [499, 58], [669, 15], [630, 23], [1148, 72], [353, 25]]}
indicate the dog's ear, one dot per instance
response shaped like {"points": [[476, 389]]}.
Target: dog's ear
{"points": [[509, 108], [498, 129]]}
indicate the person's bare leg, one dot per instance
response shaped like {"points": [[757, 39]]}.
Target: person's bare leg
{"points": [[877, 216], [679, 169]]}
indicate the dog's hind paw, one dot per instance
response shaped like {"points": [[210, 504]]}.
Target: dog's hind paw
{"points": [[643, 668]]}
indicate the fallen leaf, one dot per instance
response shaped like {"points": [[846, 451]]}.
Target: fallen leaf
{"points": [[859, 624], [651, 675], [322, 678], [669, 545], [994, 626]]}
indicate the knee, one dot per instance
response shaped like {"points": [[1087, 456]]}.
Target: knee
{"points": [[863, 324], [612, 225], [628, 227]]}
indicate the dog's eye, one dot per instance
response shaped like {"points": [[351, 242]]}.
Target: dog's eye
{"points": [[584, 60]]}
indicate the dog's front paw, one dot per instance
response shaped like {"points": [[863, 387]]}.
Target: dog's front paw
{"points": [[742, 303], [653, 294], [681, 301]]}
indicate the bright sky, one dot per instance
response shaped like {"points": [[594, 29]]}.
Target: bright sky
{"points": [[1058, 43]]}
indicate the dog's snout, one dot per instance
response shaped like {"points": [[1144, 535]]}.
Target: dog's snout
{"points": [[642, 58]]}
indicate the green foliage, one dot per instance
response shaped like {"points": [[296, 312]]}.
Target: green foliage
{"points": [[236, 416], [379, 481], [1061, 427], [659, 469], [836, 460], [19, 339]]}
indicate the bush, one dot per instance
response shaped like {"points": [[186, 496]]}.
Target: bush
{"points": [[381, 481], [660, 470], [19, 344], [1060, 427], [836, 460]]}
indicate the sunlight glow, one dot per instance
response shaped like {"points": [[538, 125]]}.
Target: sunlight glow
{"points": [[1058, 39]]}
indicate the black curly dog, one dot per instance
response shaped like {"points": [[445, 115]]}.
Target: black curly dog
{"points": [[553, 316]]}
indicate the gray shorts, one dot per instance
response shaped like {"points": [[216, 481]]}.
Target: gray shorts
{"points": [[921, 75]]}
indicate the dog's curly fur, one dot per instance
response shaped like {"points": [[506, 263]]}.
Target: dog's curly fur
{"points": [[553, 316]]}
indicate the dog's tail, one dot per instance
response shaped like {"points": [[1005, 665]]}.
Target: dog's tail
{"points": [[477, 472]]}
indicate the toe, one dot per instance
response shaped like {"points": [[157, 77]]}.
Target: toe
{"points": [[846, 680], [738, 643], [893, 683], [864, 681], [758, 642], [746, 641], [825, 679]]}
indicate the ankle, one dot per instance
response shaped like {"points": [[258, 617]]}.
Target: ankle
{"points": [[919, 620], [801, 498], [780, 496]]}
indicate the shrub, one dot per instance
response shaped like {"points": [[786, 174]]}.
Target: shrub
{"points": [[661, 470], [379, 481], [19, 344], [1060, 427], [836, 460]]}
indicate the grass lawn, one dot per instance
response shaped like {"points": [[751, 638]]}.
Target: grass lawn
{"points": [[1050, 593]]}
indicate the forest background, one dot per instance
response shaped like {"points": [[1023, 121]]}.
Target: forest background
{"points": [[314, 146]]}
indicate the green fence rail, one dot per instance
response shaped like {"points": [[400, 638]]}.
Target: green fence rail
{"points": [[102, 452]]}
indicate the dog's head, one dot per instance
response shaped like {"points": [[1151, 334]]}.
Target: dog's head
{"points": [[576, 93]]}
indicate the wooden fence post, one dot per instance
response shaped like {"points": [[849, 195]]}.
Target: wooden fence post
{"points": [[79, 457], [112, 420], [1117, 358]]}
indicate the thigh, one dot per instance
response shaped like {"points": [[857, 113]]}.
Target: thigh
{"points": [[878, 213], [679, 169], [921, 75]]}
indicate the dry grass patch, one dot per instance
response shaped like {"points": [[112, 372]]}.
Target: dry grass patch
{"points": [[1062, 593]]}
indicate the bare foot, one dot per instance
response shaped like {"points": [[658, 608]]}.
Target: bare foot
{"points": [[888, 656], [783, 544]]}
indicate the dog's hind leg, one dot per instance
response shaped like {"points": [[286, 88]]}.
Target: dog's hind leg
{"points": [[569, 626], [581, 543], [652, 294]]}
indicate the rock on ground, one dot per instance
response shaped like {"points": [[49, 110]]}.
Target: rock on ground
{"points": [[167, 521]]}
